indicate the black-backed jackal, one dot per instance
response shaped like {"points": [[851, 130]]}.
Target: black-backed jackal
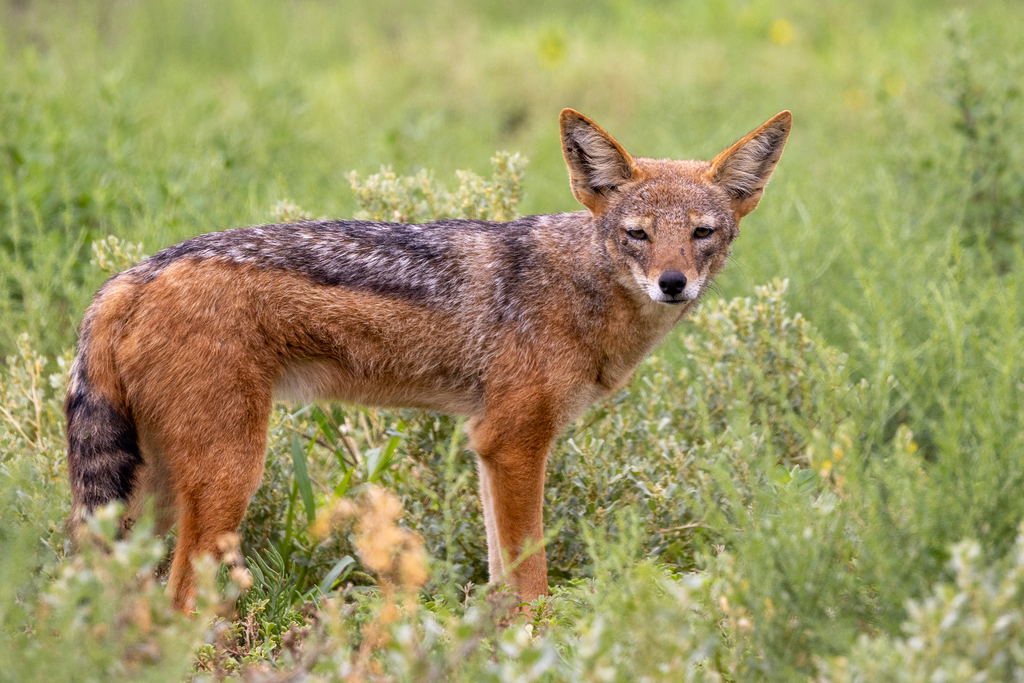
{"points": [[518, 325]]}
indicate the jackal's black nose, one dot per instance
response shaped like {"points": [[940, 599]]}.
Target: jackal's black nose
{"points": [[672, 282]]}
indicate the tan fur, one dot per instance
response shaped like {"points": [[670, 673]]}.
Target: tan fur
{"points": [[190, 347]]}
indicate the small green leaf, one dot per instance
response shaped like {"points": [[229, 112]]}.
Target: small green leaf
{"points": [[302, 478], [338, 572], [342, 488], [372, 457]]}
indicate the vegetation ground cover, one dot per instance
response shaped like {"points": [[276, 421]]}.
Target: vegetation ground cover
{"points": [[817, 478]]}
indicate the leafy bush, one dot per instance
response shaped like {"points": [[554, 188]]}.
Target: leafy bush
{"points": [[386, 196], [970, 630], [988, 115], [101, 615]]}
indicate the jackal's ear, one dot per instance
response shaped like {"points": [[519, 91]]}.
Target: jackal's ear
{"points": [[597, 164], [744, 169]]}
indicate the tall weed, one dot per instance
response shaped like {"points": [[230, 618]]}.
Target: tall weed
{"points": [[986, 97]]}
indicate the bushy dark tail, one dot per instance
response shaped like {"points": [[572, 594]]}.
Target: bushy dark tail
{"points": [[103, 444]]}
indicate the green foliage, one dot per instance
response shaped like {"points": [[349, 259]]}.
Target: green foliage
{"points": [[987, 100], [970, 630], [287, 211], [385, 196], [30, 413], [100, 616], [113, 255]]}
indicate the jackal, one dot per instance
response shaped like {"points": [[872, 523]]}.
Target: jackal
{"points": [[519, 326]]}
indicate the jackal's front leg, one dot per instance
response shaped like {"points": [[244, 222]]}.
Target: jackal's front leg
{"points": [[512, 458]]}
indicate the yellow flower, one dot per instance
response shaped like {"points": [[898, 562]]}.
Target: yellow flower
{"points": [[781, 32]]}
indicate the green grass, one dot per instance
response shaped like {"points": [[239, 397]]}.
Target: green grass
{"points": [[818, 482]]}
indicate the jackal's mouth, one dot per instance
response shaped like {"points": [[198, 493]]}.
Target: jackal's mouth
{"points": [[662, 298]]}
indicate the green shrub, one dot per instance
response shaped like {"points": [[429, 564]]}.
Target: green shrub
{"points": [[970, 630], [386, 196], [101, 615], [987, 97]]}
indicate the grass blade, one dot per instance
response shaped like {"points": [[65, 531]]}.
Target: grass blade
{"points": [[302, 478], [339, 571]]}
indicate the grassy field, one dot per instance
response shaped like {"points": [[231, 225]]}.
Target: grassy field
{"points": [[813, 480]]}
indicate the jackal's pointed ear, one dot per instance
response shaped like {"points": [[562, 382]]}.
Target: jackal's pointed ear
{"points": [[597, 164], [744, 169]]}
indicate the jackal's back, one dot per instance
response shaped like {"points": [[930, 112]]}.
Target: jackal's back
{"points": [[433, 264]]}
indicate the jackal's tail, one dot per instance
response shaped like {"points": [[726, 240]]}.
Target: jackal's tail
{"points": [[103, 444]]}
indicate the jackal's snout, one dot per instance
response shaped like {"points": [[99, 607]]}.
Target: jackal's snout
{"points": [[672, 283], [673, 287]]}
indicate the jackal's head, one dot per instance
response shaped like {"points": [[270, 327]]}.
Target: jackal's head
{"points": [[669, 223]]}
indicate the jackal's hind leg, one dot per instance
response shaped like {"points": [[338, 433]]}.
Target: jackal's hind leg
{"points": [[216, 471], [209, 510]]}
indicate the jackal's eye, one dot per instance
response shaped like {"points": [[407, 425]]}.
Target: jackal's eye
{"points": [[702, 232], [637, 234]]}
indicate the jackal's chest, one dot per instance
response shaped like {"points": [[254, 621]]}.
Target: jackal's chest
{"points": [[629, 338]]}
